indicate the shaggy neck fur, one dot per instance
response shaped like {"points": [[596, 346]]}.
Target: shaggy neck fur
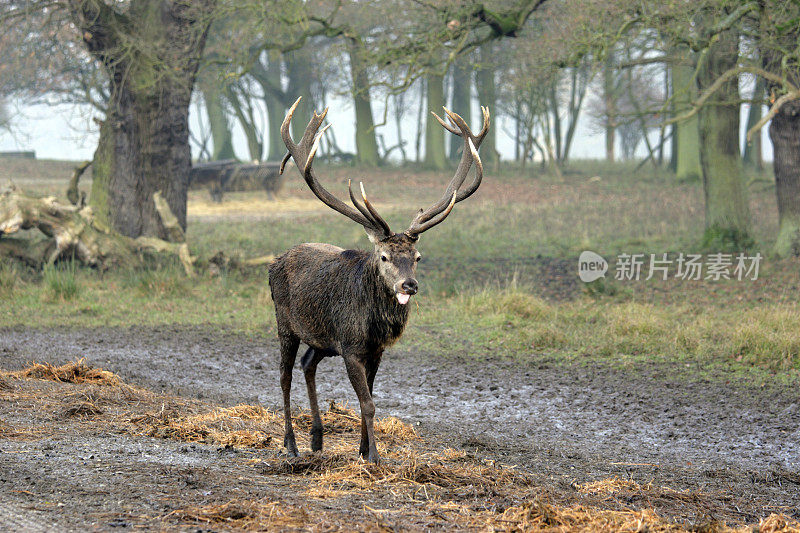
{"points": [[387, 318]]}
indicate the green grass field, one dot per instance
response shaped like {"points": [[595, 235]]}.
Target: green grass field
{"points": [[499, 277]]}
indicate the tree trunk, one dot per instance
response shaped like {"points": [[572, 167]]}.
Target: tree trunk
{"points": [[420, 111], [485, 85], [784, 132], [143, 149], [687, 165], [300, 74], [752, 150], [221, 136], [244, 114], [366, 145], [435, 157], [275, 109], [556, 120], [144, 140], [577, 94], [610, 100], [727, 210], [462, 101]]}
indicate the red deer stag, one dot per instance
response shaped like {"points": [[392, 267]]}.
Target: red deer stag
{"points": [[353, 302]]}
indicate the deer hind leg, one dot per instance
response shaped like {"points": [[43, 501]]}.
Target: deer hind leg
{"points": [[371, 367], [356, 371], [309, 363], [289, 345]]}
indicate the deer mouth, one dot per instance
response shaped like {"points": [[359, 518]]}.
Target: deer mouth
{"points": [[402, 297]]}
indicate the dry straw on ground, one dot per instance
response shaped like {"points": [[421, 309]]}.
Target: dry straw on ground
{"points": [[72, 372], [418, 487]]}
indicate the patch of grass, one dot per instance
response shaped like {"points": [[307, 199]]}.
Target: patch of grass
{"points": [[9, 278], [498, 276], [516, 324], [718, 239], [61, 281], [157, 282]]}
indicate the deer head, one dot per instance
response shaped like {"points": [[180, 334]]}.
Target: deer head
{"points": [[395, 254]]}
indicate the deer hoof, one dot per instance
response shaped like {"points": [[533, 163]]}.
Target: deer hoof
{"points": [[372, 456], [291, 446]]}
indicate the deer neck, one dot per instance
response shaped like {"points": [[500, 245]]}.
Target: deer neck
{"points": [[384, 307]]}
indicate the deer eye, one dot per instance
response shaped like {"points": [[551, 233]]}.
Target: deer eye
{"points": [[384, 258]]}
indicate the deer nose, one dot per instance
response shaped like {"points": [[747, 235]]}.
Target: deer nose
{"points": [[410, 286]]}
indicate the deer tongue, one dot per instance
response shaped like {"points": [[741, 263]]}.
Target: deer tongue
{"points": [[402, 298]]}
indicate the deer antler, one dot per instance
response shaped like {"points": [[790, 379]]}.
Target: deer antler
{"points": [[303, 154], [436, 213]]}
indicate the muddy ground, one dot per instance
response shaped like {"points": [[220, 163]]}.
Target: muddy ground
{"points": [[563, 425]]}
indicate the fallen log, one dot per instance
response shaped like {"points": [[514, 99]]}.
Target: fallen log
{"points": [[72, 231]]}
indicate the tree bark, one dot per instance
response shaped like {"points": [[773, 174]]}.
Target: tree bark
{"points": [[435, 157], [366, 144], [610, 100], [784, 132], [144, 140], [684, 87], [727, 209], [485, 85], [300, 73], [275, 109], [462, 101]]}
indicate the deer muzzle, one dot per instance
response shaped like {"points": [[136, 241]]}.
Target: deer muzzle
{"points": [[407, 290]]}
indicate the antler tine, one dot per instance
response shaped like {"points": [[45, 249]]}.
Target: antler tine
{"points": [[445, 125], [458, 195], [436, 218], [471, 143], [364, 210], [285, 135], [476, 182], [303, 155], [374, 212]]}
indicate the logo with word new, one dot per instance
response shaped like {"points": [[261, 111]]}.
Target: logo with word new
{"points": [[591, 266]]}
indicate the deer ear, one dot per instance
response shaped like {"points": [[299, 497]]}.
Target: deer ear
{"points": [[374, 236]]}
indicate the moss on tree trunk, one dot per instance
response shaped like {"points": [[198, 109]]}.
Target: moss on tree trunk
{"points": [[366, 145], [462, 101], [784, 132], [300, 74], [687, 164], [435, 157], [144, 140], [485, 85], [275, 109], [143, 149], [727, 209]]}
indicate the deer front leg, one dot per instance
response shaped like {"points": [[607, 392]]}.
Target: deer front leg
{"points": [[357, 373], [289, 345], [371, 367]]}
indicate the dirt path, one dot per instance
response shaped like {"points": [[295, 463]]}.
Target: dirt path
{"points": [[564, 424]]}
